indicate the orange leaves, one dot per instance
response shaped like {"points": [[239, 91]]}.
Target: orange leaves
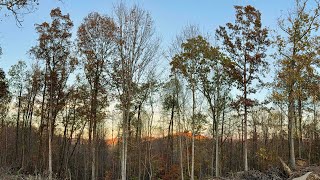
{"points": [[173, 173]]}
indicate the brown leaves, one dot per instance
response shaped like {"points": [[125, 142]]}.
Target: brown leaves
{"points": [[245, 43], [96, 28]]}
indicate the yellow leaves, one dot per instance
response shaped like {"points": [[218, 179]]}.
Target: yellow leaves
{"points": [[198, 56], [262, 153], [266, 157]]}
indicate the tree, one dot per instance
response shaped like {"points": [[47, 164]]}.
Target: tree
{"points": [[297, 49], [17, 79], [18, 8], [188, 32], [143, 95], [210, 75], [137, 47], [54, 48], [214, 85], [4, 96], [32, 88], [96, 37], [170, 104], [245, 43], [194, 53]]}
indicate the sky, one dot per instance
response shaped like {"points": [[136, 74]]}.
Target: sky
{"points": [[170, 16]]}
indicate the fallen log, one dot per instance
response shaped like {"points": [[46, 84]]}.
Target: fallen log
{"points": [[304, 177], [285, 167]]}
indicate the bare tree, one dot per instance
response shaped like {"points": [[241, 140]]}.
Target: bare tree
{"points": [[137, 46], [18, 8]]}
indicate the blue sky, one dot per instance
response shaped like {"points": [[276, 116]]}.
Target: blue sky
{"points": [[170, 17]]}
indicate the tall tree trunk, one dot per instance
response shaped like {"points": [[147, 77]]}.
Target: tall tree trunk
{"points": [[213, 111], [17, 124], [94, 143], [291, 109], [281, 131], [311, 141], [50, 127], [188, 155], [64, 145], [62, 150], [41, 126], [245, 143], [179, 129], [222, 131], [90, 137], [300, 126], [23, 139], [217, 151], [213, 146], [290, 129], [149, 143], [139, 140], [193, 128], [94, 131], [255, 141], [170, 139], [217, 103], [30, 123], [181, 149], [126, 113]]}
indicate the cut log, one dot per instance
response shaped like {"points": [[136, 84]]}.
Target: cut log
{"points": [[285, 167], [304, 177]]}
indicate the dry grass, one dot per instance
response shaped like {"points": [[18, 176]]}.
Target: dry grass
{"points": [[8, 174]]}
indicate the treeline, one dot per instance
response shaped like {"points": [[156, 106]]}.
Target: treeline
{"points": [[102, 106]]}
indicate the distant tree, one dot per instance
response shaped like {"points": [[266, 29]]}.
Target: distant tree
{"points": [[170, 104], [5, 99], [245, 43], [144, 93], [4, 96], [17, 80], [32, 88], [4, 87]]}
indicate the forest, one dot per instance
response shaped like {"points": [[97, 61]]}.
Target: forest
{"points": [[97, 103]]}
